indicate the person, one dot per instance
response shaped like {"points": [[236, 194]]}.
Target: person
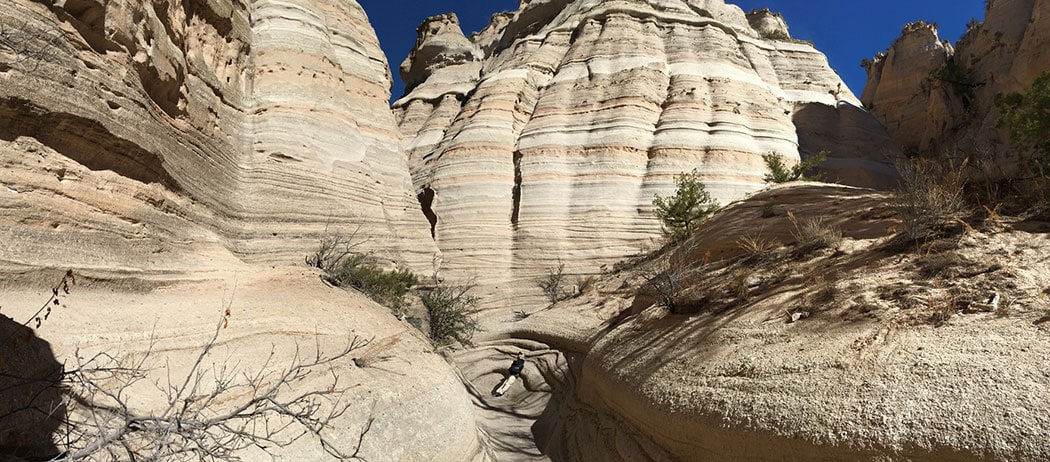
{"points": [[514, 373]]}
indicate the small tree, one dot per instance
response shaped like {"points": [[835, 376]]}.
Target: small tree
{"points": [[780, 173], [1027, 116], [690, 205]]}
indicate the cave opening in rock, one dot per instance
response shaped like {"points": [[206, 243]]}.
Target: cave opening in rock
{"points": [[426, 202]]}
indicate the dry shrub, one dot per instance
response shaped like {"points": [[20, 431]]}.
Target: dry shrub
{"points": [[553, 284], [740, 283], [586, 283], [814, 234], [669, 287], [827, 290], [757, 247], [451, 309], [941, 264], [930, 198], [944, 307]]}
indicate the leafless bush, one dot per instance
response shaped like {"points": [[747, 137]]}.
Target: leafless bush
{"points": [[212, 412], [668, 286], [553, 284], [930, 197], [334, 248]]}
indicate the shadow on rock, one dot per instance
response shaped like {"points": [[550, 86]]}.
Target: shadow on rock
{"points": [[31, 406]]}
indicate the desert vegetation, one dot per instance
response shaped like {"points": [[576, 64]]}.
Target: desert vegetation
{"points": [[449, 309], [684, 211], [1027, 116], [779, 172], [25, 48], [344, 266]]}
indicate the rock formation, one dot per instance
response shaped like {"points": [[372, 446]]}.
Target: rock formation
{"points": [[190, 123], [867, 376], [583, 110], [939, 99], [180, 155], [174, 154]]}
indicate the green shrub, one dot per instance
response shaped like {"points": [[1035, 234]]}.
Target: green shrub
{"points": [[780, 173], [385, 287], [451, 310], [1027, 116], [344, 267], [690, 205], [775, 35]]}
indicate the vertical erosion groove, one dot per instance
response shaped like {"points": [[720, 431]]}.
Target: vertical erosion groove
{"points": [[426, 202], [516, 191]]}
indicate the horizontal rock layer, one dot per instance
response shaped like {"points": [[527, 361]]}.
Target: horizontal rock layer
{"points": [[260, 132], [585, 110]]}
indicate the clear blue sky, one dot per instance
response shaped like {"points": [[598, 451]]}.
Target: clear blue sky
{"points": [[845, 30]]}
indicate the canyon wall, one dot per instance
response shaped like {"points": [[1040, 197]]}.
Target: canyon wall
{"points": [[148, 137], [939, 99], [543, 138], [181, 157]]}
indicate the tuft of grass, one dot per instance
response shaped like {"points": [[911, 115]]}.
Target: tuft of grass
{"points": [[756, 247], [814, 234]]}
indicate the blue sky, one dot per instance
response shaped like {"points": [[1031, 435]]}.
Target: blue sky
{"points": [[845, 30]]}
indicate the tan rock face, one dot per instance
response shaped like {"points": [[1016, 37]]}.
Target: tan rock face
{"points": [[584, 110], [902, 94], [258, 133], [956, 116], [172, 152]]}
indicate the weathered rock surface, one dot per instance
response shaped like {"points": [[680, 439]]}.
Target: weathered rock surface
{"points": [[900, 82], [201, 125], [867, 376], [584, 110], [273, 314], [177, 154], [935, 98]]}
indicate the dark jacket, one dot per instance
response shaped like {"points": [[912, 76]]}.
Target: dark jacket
{"points": [[517, 366]]}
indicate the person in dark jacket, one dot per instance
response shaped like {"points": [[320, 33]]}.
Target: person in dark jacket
{"points": [[513, 374]]}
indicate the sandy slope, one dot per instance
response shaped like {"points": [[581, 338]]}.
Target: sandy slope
{"points": [[898, 360]]}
